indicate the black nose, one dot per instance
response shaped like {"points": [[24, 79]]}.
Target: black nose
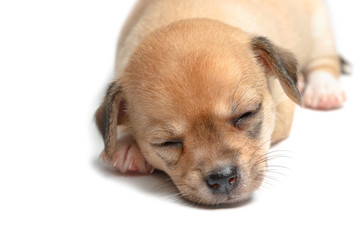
{"points": [[223, 179]]}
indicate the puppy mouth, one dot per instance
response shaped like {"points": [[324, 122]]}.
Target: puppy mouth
{"points": [[236, 196], [205, 196]]}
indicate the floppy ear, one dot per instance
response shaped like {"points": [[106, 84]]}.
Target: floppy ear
{"points": [[280, 63], [109, 115]]}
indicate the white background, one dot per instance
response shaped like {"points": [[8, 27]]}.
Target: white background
{"points": [[56, 58]]}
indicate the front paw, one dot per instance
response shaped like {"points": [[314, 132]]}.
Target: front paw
{"points": [[323, 91], [128, 157]]}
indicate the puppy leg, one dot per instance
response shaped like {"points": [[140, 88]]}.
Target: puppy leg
{"points": [[128, 157], [284, 118], [323, 89]]}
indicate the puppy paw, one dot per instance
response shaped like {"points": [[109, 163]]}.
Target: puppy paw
{"points": [[323, 91], [301, 83], [127, 157]]}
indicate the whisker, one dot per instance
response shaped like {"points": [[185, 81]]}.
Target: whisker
{"points": [[275, 172], [277, 167], [266, 184], [261, 145], [272, 178]]}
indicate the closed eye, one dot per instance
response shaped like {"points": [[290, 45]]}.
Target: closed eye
{"points": [[243, 117], [238, 121], [169, 144]]}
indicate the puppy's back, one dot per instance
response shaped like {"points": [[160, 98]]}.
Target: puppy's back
{"points": [[284, 22]]}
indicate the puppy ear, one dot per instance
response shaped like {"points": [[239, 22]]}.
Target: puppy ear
{"points": [[109, 115], [280, 63]]}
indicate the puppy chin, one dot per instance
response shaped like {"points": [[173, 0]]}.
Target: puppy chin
{"points": [[201, 194], [210, 199]]}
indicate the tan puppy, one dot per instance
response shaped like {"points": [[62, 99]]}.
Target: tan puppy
{"points": [[202, 89]]}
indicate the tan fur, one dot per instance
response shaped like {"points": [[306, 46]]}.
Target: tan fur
{"points": [[186, 69]]}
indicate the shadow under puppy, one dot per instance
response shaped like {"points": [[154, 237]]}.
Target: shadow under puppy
{"points": [[201, 94]]}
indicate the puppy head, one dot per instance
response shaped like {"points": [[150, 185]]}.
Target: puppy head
{"points": [[196, 96]]}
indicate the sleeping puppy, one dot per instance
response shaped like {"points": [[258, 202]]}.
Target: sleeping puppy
{"points": [[203, 88]]}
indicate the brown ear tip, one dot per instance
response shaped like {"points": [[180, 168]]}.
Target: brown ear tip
{"points": [[298, 98], [301, 102], [103, 157], [109, 154]]}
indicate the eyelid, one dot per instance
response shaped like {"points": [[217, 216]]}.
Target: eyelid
{"points": [[255, 108], [168, 143], [249, 113]]}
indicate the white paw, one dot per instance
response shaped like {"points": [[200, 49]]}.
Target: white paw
{"points": [[301, 82], [323, 91], [127, 157]]}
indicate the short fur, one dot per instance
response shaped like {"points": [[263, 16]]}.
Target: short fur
{"points": [[186, 70]]}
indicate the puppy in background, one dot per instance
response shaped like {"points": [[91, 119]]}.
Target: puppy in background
{"points": [[203, 88]]}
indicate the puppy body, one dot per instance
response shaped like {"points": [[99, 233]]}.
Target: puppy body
{"points": [[300, 26], [202, 91]]}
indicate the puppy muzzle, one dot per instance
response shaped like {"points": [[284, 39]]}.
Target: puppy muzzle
{"points": [[223, 179]]}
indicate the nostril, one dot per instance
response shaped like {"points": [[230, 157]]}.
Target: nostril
{"points": [[232, 180], [223, 180]]}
